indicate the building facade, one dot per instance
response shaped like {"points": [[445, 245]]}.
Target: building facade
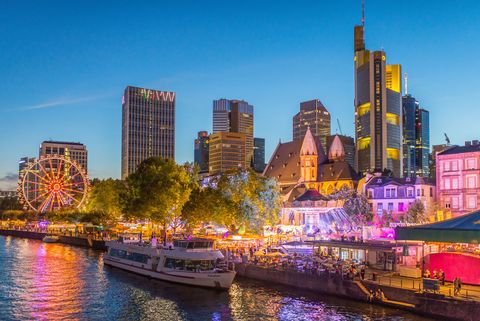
{"points": [[395, 195], [416, 138], [315, 116], [227, 151], [303, 164], [235, 116], [378, 112], [75, 151], [201, 151], [148, 126], [259, 154], [458, 179]]}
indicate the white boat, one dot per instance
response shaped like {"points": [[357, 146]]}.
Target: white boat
{"points": [[192, 262], [50, 238]]}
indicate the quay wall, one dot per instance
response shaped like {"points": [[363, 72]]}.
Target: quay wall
{"points": [[437, 306], [70, 240]]}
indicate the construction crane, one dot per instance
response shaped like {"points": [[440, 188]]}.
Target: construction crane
{"points": [[447, 139], [339, 127]]}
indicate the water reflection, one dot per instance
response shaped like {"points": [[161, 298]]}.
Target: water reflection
{"points": [[56, 282]]}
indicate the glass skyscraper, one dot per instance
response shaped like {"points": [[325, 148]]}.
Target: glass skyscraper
{"points": [[416, 138], [201, 151], [315, 116], [259, 154], [148, 126]]}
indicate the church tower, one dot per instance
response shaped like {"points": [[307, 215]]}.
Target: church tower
{"points": [[309, 160]]}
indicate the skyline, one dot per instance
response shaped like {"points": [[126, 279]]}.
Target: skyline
{"points": [[75, 80]]}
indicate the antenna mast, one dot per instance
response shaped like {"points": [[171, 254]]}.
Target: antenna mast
{"points": [[363, 13], [406, 83]]}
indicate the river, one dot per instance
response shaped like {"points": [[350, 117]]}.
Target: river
{"points": [[40, 281]]}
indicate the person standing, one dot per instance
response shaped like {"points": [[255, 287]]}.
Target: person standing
{"points": [[442, 277]]}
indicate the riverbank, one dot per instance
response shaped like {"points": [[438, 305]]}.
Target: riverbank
{"points": [[429, 304], [88, 242]]}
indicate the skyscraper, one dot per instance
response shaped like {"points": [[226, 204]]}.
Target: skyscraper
{"points": [[201, 151], [75, 151], [227, 151], [315, 116], [235, 116], [148, 126], [416, 138], [378, 117], [259, 154], [422, 146]]}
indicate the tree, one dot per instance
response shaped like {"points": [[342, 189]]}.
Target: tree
{"points": [[416, 213], [158, 190], [256, 199], [357, 207], [106, 198]]}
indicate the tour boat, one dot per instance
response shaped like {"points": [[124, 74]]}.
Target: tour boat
{"points": [[50, 238], [192, 262]]}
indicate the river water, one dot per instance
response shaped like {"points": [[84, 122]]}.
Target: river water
{"points": [[40, 281]]}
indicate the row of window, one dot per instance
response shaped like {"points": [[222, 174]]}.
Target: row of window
{"points": [[401, 207], [453, 165], [189, 265], [453, 183], [391, 192], [455, 203], [135, 257]]}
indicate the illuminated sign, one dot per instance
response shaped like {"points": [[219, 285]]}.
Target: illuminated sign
{"points": [[157, 95]]}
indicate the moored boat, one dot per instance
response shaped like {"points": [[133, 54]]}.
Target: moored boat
{"points": [[192, 262]]}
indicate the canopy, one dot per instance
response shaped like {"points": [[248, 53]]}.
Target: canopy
{"points": [[463, 229]]}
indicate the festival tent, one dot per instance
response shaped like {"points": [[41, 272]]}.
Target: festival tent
{"points": [[463, 229]]}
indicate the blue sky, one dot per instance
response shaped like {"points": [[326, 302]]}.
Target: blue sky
{"points": [[64, 65]]}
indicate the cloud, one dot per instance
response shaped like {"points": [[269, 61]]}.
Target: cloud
{"points": [[9, 182], [60, 102]]}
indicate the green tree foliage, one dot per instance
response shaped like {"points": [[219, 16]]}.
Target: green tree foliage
{"points": [[158, 190], [9, 204], [256, 199], [107, 199], [416, 213]]}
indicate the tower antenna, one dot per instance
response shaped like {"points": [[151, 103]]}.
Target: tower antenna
{"points": [[363, 13], [406, 83]]}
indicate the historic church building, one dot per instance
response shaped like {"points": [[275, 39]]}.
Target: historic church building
{"points": [[300, 165]]}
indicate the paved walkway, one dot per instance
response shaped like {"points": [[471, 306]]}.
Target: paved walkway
{"points": [[470, 292]]}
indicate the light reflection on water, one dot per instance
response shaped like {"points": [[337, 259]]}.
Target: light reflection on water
{"points": [[42, 281]]}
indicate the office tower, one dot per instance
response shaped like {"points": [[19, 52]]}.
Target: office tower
{"points": [[315, 116], [74, 151], [226, 151], [422, 146], [235, 116], [259, 154], [148, 126], [416, 138], [348, 145], [409, 106], [201, 151], [378, 116]]}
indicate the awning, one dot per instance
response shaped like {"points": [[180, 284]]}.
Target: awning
{"points": [[463, 229]]}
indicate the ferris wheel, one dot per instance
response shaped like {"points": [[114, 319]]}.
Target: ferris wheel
{"points": [[51, 183]]}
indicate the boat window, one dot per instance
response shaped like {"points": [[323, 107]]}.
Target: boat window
{"points": [[190, 265], [136, 257]]}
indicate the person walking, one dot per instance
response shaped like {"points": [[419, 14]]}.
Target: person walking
{"points": [[442, 277], [455, 286], [362, 272]]}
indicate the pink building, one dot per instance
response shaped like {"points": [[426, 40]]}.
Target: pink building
{"points": [[458, 185]]}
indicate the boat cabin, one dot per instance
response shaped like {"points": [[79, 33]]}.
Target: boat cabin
{"points": [[204, 244]]}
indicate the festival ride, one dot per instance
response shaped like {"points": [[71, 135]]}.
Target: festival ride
{"points": [[53, 182], [191, 262]]}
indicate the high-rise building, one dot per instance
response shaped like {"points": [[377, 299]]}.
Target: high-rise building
{"points": [[148, 126], [315, 116], [348, 145], [422, 146], [235, 116], [226, 151], [31, 178], [74, 151], [416, 138], [259, 154], [201, 151], [378, 116], [409, 106]]}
